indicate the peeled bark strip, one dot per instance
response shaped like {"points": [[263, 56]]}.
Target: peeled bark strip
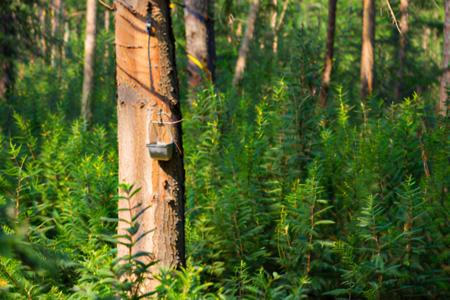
{"points": [[200, 43], [89, 60], [245, 45], [402, 47], [368, 45], [445, 79], [328, 65], [147, 83]]}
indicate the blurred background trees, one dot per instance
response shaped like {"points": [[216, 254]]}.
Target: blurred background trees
{"points": [[282, 200]]}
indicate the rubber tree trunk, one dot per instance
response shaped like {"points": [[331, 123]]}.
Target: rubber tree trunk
{"points": [[147, 85], [89, 60], [404, 27], [200, 43], [245, 44], [328, 64], [367, 49], [445, 79]]}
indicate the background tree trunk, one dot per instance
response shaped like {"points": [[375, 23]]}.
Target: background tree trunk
{"points": [[200, 43], [445, 79], [367, 51], [8, 52], [402, 47], [56, 9], [273, 26], [107, 25], [147, 84], [245, 44], [89, 60], [328, 64]]}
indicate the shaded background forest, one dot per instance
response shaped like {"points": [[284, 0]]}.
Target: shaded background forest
{"points": [[284, 200]]}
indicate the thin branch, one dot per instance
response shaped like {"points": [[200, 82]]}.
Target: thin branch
{"points": [[394, 19], [283, 13], [108, 7]]}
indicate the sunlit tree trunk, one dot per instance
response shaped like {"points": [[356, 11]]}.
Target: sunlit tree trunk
{"points": [[445, 79], [404, 27], [200, 43], [107, 25], [147, 85], [328, 64], [57, 8], [245, 44], [273, 25], [368, 45], [89, 60]]}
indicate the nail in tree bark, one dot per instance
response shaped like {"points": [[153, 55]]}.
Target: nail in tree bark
{"points": [[200, 43], [328, 64], [147, 84], [245, 44], [89, 60], [445, 79], [402, 46], [367, 52]]}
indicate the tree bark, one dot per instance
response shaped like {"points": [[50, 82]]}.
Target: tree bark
{"points": [[328, 64], [367, 51], [57, 8], [8, 52], [200, 43], [404, 27], [445, 79], [89, 60], [273, 26], [245, 44], [147, 84]]}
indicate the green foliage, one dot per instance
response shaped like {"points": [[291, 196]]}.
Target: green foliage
{"points": [[283, 201]]}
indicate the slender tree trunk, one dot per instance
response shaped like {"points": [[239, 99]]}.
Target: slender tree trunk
{"points": [[245, 44], [107, 20], [89, 60], [402, 47], [8, 52], [445, 79], [66, 40], [273, 26], [328, 64], [57, 7], [107, 25], [147, 85], [200, 43], [368, 45]]}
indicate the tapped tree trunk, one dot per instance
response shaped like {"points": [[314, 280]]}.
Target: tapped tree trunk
{"points": [[147, 88], [328, 64], [445, 79], [89, 60], [402, 47], [367, 50], [245, 44], [200, 43]]}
